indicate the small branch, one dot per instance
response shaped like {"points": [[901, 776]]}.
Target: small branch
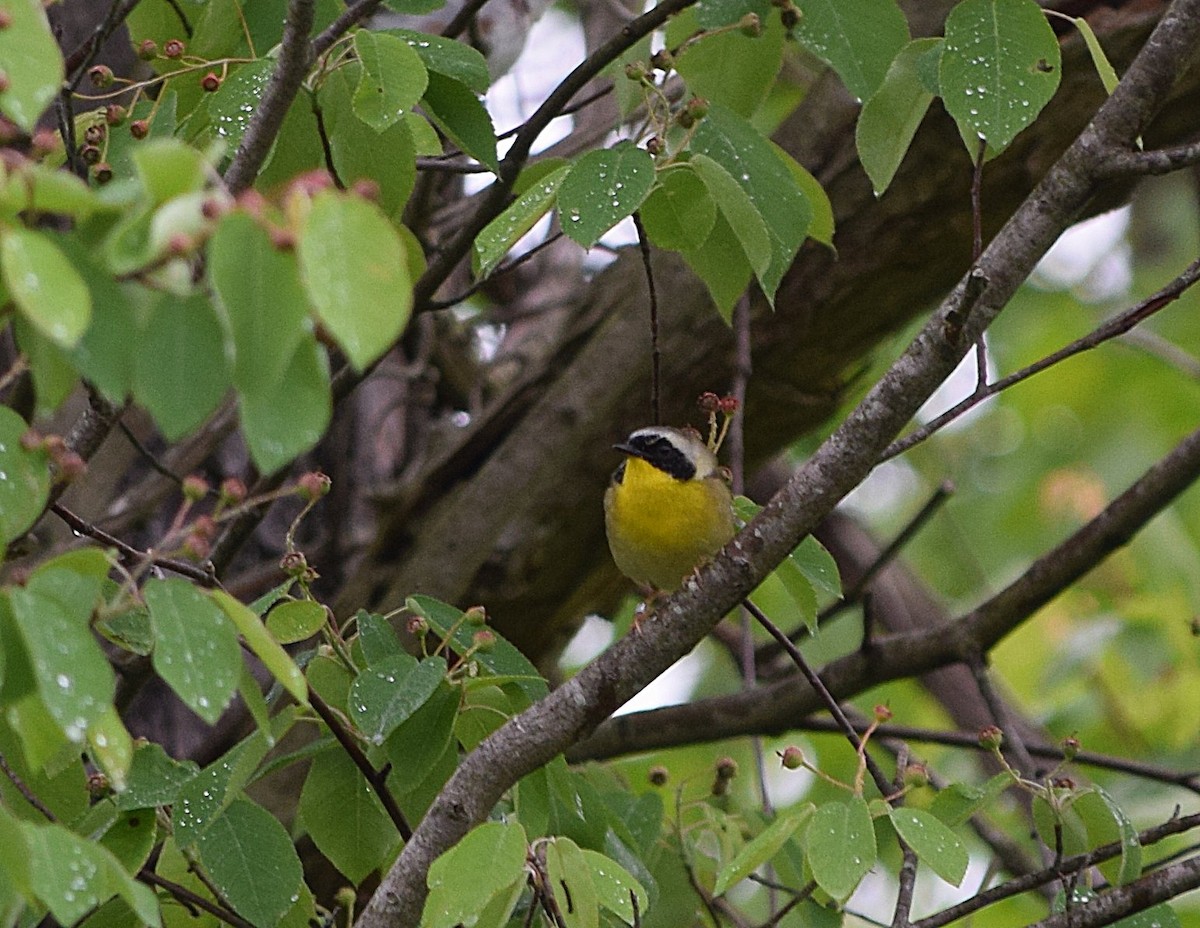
{"points": [[1127, 162], [200, 575], [463, 18], [907, 877], [78, 62], [999, 712], [1077, 863], [23, 788], [655, 353], [818, 685], [350, 17], [295, 55], [1117, 325], [191, 899], [376, 778]]}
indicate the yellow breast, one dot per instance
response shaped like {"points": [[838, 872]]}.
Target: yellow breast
{"points": [[660, 528]]}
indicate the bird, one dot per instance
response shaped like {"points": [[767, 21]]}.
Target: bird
{"points": [[668, 507]]}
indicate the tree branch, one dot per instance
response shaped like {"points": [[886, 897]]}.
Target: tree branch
{"points": [[295, 56]]}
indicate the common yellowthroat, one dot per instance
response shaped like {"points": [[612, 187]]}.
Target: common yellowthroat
{"points": [[668, 507]]}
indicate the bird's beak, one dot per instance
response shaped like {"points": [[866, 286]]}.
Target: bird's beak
{"points": [[626, 449]]}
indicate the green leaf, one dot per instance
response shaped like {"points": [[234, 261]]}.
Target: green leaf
{"points": [[818, 567], [196, 650], [72, 875], [761, 848], [482, 865], [1000, 66], [259, 288], [1158, 916], [1107, 822], [105, 354], [111, 747], [169, 168], [54, 377], [33, 64], [722, 265], [393, 78], [935, 845], [1104, 68], [45, 286], [73, 677], [454, 108], [614, 886], [822, 226], [890, 119], [840, 845], [131, 838], [570, 879], [421, 739], [602, 188], [206, 796], [344, 817], [502, 233], [354, 268], [503, 660], [447, 57], [267, 649], [250, 860], [387, 158], [733, 69], [383, 696], [38, 188], [180, 369], [679, 213], [739, 211], [284, 419], [377, 639], [750, 159], [24, 479], [959, 801], [154, 778], [857, 38], [295, 620], [234, 102], [713, 14]]}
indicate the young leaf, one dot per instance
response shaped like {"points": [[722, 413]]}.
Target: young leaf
{"points": [[268, 650], [1104, 68], [890, 119], [454, 108], [761, 848], [344, 817], [204, 797], [502, 233], [737, 146], [489, 860], [448, 57], [733, 69], [286, 417], [570, 879], [840, 845], [45, 286], [24, 478], [722, 265], [1107, 822], [111, 747], [857, 38], [739, 211], [354, 267], [421, 739], [393, 78], [959, 801], [935, 845], [615, 886], [999, 67], [195, 648], [251, 861], [259, 288], [295, 620], [680, 212], [180, 369], [231, 105], [33, 63], [602, 188], [154, 778], [384, 696]]}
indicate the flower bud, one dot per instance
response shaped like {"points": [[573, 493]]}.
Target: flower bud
{"points": [[174, 48], [662, 60], [211, 82], [1070, 747], [102, 172], [883, 713], [991, 738], [916, 774], [90, 154], [367, 188], [232, 491], [101, 75], [313, 485], [792, 758], [658, 775], [709, 402], [726, 770], [114, 114], [476, 615], [94, 135], [195, 488], [636, 71], [750, 26], [147, 50], [484, 640], [139, 128], [418, 626], [98, 786], [293, 564]]}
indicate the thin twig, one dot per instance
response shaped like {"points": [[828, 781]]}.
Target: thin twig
{"points": [[831, 704], [981, 371], [376, 778], [23, 788], [463, 18], [78, 62], [655, 353], [1115, 326], [350, 17], [907, 877], [189, 898]]}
